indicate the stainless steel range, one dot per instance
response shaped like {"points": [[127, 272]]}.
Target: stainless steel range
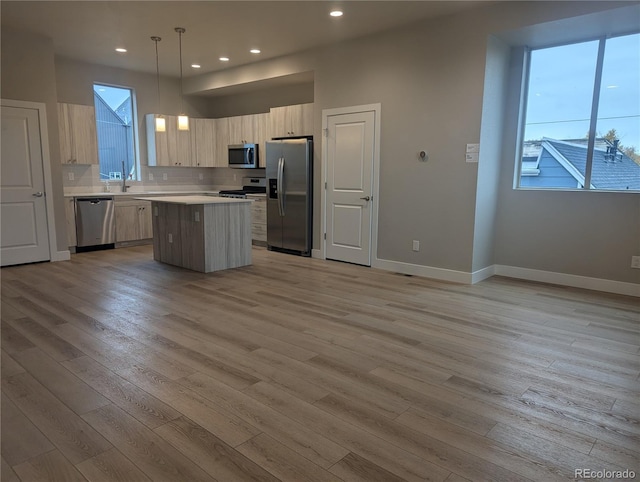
{"points": [[252, 185]]}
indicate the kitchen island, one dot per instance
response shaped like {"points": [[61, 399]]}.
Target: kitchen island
{"points": [[201, 233]]}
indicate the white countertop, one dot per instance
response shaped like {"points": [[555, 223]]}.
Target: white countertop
{"points": [[194, 199], [141, 193]]}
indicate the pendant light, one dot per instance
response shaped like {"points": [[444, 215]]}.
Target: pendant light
{"points": [[160, 121], [183, 120]]}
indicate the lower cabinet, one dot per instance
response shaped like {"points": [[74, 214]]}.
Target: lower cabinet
{"points": [[258, 219], [133, 221], [70, 214]]}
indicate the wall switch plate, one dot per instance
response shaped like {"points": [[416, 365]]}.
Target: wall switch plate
{"points": [[197, 216], [635, 262], [71, 176], [150, 176], [200, 176], [416, 245], [170, 238], [164, 176]]}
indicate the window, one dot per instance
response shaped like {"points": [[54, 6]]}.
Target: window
{"points": [[116, 125], [582, 117]]}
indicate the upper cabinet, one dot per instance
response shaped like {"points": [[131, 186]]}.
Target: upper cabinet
{"points": [[78, 134], [204, 142], [170, 148], [291, 121]]}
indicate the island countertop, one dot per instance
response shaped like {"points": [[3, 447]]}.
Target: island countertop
{"points": [[189, 200]]}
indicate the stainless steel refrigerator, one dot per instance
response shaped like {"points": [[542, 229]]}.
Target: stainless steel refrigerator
{"points": [[289, 195]]}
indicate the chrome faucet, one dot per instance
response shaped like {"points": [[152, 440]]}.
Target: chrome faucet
{"points": [[124, 179]]}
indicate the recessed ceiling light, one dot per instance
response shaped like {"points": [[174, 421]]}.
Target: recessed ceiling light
{"points": [[224, 59], [195, 66], [255, 51], [121, 50], [336, 13], [612, 86]]}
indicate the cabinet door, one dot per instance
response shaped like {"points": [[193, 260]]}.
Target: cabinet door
{"points": [[291, 120], [204, 141], [64, 130], [161, 146], [145, 221], [78, 134], [260, 136], [306, 120], [278, 122], [222, 141], [84, 133], [235, 130], [127, 224], [184, 143], [70, 213]]}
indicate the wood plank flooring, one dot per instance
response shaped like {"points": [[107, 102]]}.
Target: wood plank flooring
{"points": [[119, 368]]}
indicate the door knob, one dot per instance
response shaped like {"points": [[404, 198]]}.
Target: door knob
{"points": [[38, 194], [366, 198]]}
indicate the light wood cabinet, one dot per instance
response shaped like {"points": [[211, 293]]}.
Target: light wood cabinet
{"points": [[221, 152], [241, 129], [70, 214], [170, 148], [291, 120], [133, 221], [258, 219], [204, 142], [78, 134]]}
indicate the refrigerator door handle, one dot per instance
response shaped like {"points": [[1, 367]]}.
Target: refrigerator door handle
{"points": [[281, 194], [279, 186]]}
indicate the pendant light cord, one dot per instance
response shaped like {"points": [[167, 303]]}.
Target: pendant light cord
{"points": [[156, 40], [180, 31]]}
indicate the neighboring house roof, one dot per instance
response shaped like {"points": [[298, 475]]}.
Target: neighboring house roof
{"points": [[614, 172]]}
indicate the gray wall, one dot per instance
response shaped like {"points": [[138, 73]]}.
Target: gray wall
{"points": [[28, 73], [491, 140], [590, 234]]}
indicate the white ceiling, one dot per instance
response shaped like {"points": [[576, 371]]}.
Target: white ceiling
{"points": [[91, 30]]}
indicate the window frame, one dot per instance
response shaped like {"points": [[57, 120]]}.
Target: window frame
{"points": [[134, 128], [593, 120]]}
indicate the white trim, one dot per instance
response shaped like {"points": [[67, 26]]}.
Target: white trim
{"points": [[483, 274], [326, 113], [54, 254], [585, 282], [425, 271], [61, 256], [317, 253]]}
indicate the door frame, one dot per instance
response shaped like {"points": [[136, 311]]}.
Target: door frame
{"points": [[326, 113], [54, 254]]}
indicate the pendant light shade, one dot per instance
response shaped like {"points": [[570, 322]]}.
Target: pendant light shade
{"points": [[160, 123], [183, 120]]}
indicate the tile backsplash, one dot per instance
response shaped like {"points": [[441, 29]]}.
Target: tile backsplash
{"points": [[86, 178]]}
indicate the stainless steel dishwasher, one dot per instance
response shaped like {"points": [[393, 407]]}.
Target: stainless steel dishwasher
{"points": [[95, 221]]}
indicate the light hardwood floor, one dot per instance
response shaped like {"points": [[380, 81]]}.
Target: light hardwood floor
{"points": [[116, 367]]}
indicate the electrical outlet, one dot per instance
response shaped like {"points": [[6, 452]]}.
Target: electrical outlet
{"points": [[235, 176], [71, 176], [170, 238], [197, 217], [200, 176], [635, 262], [416, 245], [164, 176], [150, 176]]}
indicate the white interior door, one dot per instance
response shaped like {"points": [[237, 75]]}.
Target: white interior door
{"points": [[349, 202], [24, 235]]}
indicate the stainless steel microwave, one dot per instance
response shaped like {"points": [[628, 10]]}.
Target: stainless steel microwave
{"points": [[243, 156]]}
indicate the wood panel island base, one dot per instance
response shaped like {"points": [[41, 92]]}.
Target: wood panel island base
{"points": [[201, 233]]}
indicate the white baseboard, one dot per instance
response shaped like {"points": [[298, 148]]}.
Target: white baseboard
{"points": [[598, 284], [61, 255], [482, 274], [317, 253], [426, 271]]}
